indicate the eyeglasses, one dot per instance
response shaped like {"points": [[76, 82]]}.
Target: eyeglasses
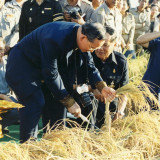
{"points": [[91, 49]]}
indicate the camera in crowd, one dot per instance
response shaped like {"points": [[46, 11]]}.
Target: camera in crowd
{"points": [[75, 12], [85, 98]]}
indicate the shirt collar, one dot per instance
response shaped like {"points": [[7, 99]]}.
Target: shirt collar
{"points": [[107, 10], [112, 58]]}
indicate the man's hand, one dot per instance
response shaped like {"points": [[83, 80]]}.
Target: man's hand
{"points": [[108, 93], [4, 97], [98, 95], [80, 20], [75, 110]]}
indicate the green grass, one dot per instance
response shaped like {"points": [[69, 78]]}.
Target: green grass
{"points": [[13, 134]]}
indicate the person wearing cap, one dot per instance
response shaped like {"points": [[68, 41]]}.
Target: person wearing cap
{"points": [[38, 12], [32, 64]]}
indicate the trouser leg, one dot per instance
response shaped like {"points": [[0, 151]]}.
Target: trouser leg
{"points": [[30, 115], [53, 111], [9, 118]]}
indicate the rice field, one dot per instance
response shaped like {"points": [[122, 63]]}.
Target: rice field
{"points": [[135, 137]]}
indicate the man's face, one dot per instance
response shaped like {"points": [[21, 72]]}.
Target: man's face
{"points": [[104, 52], [125, 7], [111, 3], [1, 3], [120, 4], [97, 3], [72, 1], [86, 46], [2, 49], [143, 3], [154, 11]]}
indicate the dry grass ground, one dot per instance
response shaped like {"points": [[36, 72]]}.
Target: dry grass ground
{"points": [[136, 137]]}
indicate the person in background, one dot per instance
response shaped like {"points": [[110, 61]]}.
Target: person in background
{"points": [[84, 8], [113, 68], [142, 23], [151, 41], [96, 3], [108, 14], [9, 26], [128, 29], [12, 116], [154, 26], [38, 12], [120, 5]]}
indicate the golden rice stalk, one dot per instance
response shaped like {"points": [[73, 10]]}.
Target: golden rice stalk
{"points": [[137, 67], [8, 105], [138, 95], [4, 107]]}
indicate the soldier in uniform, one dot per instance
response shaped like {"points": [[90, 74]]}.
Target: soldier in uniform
{"points": [[128, 29], [33, 61], [9, 27], [84, 6], [142, 23], [108, 14], [113, 68], [38, 12]]}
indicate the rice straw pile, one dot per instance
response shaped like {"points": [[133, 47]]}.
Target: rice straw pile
{"points": [[136, 137], [133, 138]]}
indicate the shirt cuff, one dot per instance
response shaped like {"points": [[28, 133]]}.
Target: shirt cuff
{"points": [[100, 85]]}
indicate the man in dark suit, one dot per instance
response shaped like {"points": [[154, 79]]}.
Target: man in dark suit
{"points": [[33, 63]]}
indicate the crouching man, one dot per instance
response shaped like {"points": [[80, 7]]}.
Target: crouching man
{"points": [[114, 71]]}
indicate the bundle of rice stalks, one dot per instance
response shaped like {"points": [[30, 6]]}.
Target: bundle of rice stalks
{"points": [[4, 107], [137, 67], [138, 96]]}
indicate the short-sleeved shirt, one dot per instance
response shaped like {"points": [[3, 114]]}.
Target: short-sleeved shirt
{"points": [[152, 73], [9, 26]]}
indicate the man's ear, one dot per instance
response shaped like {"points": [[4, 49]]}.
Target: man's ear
{"points": [[115, 44], [82, 36]]}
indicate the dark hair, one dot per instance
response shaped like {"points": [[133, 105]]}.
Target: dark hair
{"points": [[112, 33], [158, 15], [110, 30], [94, 31]]}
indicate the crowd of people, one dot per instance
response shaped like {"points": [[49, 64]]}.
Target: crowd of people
{"points": [[46, 64]]}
